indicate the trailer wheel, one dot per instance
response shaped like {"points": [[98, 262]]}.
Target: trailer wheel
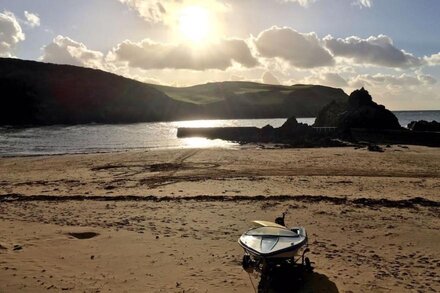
{"points": [[246, 263]]}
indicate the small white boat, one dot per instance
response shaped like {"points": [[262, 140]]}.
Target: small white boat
{"points": [[273, 242], [274, 245]]}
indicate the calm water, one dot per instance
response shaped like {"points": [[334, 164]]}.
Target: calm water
{"points": [[160, 135]]}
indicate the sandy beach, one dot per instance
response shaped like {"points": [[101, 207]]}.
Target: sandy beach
{"points": [[169, 220]]}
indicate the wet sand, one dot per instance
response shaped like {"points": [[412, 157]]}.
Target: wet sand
{"points": [[168, 221]]}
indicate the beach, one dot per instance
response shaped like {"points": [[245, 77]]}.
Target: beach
{"points": [[169, 220]]}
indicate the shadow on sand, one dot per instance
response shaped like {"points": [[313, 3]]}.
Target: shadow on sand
{"points": [[291, 281]]}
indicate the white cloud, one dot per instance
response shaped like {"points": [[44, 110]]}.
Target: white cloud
{"points": [[298, 49], [64, 50], [269, 78], [433, 60], [306, 3], [10, 33], [32, 19], [152, 11], [386, 80], [327, 78], [165, 11], [400, 92], [363, 3], [303, 3], [236, 77], [378, 51], [148, 54]]}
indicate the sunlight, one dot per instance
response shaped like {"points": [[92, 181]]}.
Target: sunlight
{"points": [[201, 142], [195, 23], [201, 123]]}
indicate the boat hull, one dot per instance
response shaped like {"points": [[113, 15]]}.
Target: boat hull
{"points": [[274, 242]]}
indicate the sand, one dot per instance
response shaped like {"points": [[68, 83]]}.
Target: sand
{"points": [[168, 221]]}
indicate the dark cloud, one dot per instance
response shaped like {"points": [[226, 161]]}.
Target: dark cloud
{"points": [[153, 55], [300, 50], [378, 51]]}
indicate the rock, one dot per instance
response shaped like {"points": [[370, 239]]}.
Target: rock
{"points": [[423, 125], [3, 247], [290, 123], [291, 128], [291, 133], [17, 247], [267, 132], [359, 111], [375, 148]]}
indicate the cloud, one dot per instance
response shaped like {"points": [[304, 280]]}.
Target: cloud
{"points": [[64, 50], [378, 51], [148, 54], [32, 19], [433, 60], [380, 80], [236, 77], [327, 78], [298, 49], [303, 3], [363, 3], [166, 11], [400, 92], [306, 3], [10, 33], [269, 78]]}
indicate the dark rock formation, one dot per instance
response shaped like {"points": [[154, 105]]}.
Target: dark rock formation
{"points": [[291, 129], [359, 111], [423, 125], [291, 133], [375, 148]]}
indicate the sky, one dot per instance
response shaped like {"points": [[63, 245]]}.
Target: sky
{"points": [[390, 47]]}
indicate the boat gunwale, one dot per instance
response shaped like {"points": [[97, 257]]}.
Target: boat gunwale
{"points": [[281, 251]]}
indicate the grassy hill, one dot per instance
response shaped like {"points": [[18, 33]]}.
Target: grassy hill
{"points": [[263, 94], [254, 100], [40, 93]]}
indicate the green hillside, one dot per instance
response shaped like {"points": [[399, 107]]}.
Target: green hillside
{"points": [[35, 93], [219, 91]]}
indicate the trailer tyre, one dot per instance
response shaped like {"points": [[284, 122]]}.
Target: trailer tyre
{"points": [[246, 263]]}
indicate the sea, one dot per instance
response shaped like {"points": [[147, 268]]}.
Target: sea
{"points": [[97, 138]]}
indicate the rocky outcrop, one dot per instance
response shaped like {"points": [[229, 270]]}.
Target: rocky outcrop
{"points": [[359, 111], [291, 133], [423, 125]]}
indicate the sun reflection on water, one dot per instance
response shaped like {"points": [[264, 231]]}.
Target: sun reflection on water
{"points": [[205, 123], [201, 142]]}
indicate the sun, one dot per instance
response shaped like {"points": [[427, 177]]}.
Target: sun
{"points": [[194, 23]]}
